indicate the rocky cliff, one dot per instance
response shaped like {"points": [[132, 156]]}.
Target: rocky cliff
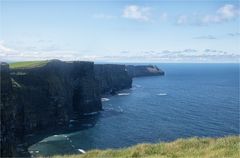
{"points": [[50, 96], [54, 94], [59, 90], [112, 77], [8, 147], [143, 70]]}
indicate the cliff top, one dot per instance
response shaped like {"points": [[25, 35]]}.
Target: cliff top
{"points": [[28, 64], [185, 148], [40, 63]]}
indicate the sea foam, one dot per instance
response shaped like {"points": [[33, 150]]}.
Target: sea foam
{"points": [[81, 151], [91, 113], [162, 94], [120, 94], [105, 99]]}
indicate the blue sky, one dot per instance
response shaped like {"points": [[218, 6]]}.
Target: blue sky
{"points": [[120, 31]]}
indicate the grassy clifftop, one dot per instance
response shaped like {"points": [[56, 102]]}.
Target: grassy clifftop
{"points": [[227, 147], [28, 64]]}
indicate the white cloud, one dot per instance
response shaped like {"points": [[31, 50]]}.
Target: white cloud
{"points": [[182, 19], [186, 55], [137, 13], [228, 11], [4, 49], [224, 13], [35, 53]]}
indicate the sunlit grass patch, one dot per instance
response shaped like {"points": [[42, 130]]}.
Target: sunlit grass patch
{"points": [[227, 147], [28, 64]]}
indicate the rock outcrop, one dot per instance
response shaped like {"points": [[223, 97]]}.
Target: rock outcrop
{"points": [[112, 77], [143, 70]]}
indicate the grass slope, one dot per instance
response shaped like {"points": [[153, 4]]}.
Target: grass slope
{"points": [[28, 64], [226, 147]]}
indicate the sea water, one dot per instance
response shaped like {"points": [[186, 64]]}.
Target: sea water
{"points": [[190, 100]]}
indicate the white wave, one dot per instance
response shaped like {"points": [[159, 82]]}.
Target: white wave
{"points": [[71, 121], [81, 151], [162, 94], [91, 113], [120, 94], [55, 138], [105, 99], [32, 151]]}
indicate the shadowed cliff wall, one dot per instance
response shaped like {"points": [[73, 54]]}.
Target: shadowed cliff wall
{"points": [[51, 96], [7, 113], [112, 77]]}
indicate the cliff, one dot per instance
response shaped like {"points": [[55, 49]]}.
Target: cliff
{"points": [[112, 77], [7, 114], [50, 96], [36, 96], [143, 70], [44, 97], [58, 90]]}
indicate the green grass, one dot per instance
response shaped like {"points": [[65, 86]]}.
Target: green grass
{"points": [[28, 64], [226, 147]]}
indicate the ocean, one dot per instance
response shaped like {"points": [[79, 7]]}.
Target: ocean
{"points": [[191, 100]]}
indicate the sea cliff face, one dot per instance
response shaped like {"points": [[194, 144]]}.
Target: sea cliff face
{"points": [[112, 77], [143, 70], [7, 113], [53, 95], [50, 96]]}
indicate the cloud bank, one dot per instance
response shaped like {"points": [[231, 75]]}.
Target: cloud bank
{"points": [[186, 55]]}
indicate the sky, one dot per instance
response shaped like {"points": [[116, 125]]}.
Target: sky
{"points": [[120, 31]]}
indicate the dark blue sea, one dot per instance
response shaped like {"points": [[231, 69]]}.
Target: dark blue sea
{"points": [[190, 100]]}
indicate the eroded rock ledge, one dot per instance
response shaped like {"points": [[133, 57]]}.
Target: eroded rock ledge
{"points": [[51, 96]]}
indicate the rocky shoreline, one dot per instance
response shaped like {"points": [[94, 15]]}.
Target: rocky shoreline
{"points": [[53, 96]]}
